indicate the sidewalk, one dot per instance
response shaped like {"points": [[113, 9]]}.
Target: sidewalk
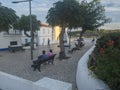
{"points": [[19, 64]]}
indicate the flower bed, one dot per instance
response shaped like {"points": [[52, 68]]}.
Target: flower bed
{"points": [[107, 64]]}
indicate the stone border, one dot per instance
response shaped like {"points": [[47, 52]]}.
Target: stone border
{"points": [[84, 79], [10, 82]]}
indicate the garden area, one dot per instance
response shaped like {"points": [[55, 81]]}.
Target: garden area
{"points": [[106, 65]]}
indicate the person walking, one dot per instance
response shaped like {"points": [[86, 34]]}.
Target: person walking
{"points": [[48, 42]]}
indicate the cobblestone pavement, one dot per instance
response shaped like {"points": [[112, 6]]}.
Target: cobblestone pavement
{"points": [[19, 64]]}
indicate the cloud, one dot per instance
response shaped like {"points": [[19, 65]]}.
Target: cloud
{"points": [[110, 3], [112, 9], [40, 9]]}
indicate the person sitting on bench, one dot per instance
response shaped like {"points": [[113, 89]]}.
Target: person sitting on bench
{"points": [[49, 53], [81, 44], [43, 56]]}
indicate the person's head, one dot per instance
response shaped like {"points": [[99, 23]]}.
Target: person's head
{"points": [[50, 50], [43, 52]]}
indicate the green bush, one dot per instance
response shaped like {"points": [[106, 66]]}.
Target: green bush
{"points": [[108, 63]]}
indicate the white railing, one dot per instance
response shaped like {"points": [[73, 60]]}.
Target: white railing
{"points": [[84, 79]]}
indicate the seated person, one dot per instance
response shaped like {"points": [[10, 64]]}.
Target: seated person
{"points": [[50, 53], [76, 45], [81, 44], [43, 56], [93, 40]]}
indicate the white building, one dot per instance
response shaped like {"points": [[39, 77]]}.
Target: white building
{"points": [[11, 38], [16, 37], [44, 34], [41, 36]]}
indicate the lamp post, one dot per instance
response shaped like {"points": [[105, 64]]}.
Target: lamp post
{"points": [[32, 33]]}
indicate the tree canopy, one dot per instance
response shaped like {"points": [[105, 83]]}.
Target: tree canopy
{"points": [[24, 24], [72, 14], [93, 15], [7, 17], [64, 14]]}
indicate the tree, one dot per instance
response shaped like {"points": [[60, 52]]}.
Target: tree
{"points": [[24, 24], [93, 15], [7, 18], [64, 14]]}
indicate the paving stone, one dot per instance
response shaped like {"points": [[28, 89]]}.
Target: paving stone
{"points": [[19, 64]]}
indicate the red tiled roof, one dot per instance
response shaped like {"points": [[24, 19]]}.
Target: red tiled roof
{"points": [[44, 25]]}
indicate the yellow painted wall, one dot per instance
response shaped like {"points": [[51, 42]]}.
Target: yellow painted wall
{"points": [[57, 31]]}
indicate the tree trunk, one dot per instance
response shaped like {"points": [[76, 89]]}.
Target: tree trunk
{"points": [[70, 39], [62, 54], [32, 44], [26, 34], [81, 34], [99, 33]]}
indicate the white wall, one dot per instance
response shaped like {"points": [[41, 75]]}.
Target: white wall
{"points": [[84, 78], [66, 37], [9, 82], [43, 34], [5, 40], [24, 37]]}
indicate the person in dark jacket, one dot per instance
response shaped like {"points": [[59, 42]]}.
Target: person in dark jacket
{"points": [[43, 56]]}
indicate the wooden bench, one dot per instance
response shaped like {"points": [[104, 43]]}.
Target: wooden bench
{"points": [[37, 63]]}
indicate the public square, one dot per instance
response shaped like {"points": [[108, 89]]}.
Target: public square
{"points": [[19, 64]]}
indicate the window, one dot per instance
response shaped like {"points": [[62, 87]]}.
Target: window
{"points": [[13, 43], [43, 31], [26, 40], [48, 31], [13, 32]]}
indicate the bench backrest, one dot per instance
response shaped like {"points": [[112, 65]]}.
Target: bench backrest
{"points": [[48, 58]]}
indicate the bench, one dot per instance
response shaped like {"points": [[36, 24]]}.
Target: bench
{"points": [[15, 48], [74, 49], [37, 63]]}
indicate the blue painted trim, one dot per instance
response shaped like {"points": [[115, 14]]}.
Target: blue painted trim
{"points": [[3, 49]]}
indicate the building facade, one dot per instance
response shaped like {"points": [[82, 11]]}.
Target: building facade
{"points": [[44, 34], [41, 37], [10, 38]]}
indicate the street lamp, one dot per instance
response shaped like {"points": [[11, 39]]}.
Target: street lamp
{"points": [[32, 33]]}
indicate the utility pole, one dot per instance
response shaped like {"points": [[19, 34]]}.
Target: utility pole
{"points": [[32, 33]]}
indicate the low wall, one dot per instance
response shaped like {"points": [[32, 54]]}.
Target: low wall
{"points": [[84, 78], [10, 82]]}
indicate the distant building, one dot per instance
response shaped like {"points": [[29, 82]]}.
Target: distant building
{"points": [[41, 36], [47, 32], [13, 37], [57, 31], [44, 34]]}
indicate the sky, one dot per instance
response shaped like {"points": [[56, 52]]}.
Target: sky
{"points": [[41, 7]]}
